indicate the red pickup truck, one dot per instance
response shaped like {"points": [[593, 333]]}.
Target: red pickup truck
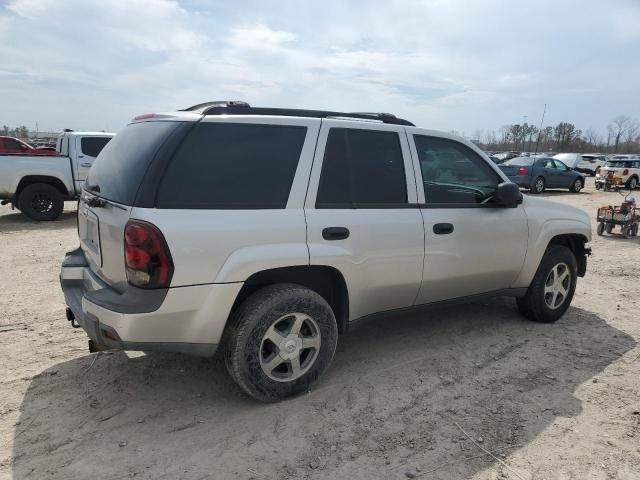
{"points": [[10, 145]]}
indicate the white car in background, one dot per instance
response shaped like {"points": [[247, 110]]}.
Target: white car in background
{"points": [[571, 160], [591, 163], [625, 166]]}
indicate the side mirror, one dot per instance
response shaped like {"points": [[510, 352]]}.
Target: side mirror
{"points": [[508, 195]]}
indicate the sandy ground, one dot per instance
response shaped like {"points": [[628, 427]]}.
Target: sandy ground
{"points": [[554, 401]]}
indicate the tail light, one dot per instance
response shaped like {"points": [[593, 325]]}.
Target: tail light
{"points": [[146, 256], [522, 171], [625, 171]]}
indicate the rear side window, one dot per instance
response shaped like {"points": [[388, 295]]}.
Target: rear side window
{"points": [[92, 146], [362, 168], [117, 172], [233, 166]]}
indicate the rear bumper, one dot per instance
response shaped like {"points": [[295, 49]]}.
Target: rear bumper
{"points": [[188, 320], [521, 180]]}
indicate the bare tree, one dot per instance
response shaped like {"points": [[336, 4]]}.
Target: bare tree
{"points": [[618, 128], [591, 136]]}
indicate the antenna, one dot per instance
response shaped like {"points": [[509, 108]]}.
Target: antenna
{"points": [[540, 129]]}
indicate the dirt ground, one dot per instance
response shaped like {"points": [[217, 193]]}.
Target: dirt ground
{"points": [[550, 402]]}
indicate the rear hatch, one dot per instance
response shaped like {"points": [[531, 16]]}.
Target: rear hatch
{"points": [[110, 193]]}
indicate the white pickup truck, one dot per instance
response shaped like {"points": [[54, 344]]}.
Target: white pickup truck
{"points": [[38, 185]]}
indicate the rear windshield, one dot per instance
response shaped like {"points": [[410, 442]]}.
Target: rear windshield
{"points": [[519, 161], [117, 172], [233, 166]]}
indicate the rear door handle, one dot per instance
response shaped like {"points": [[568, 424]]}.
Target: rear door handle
{"points": [[335, 233], [442, 228], [85, 164]]}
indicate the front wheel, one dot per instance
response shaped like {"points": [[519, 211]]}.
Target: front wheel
{"points": [[279, 341], [600, 229], [41, 202], [551, 291], [577, 186]]}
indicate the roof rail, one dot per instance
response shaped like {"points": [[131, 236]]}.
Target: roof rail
{"points": [[243, 108], [218, 104]]}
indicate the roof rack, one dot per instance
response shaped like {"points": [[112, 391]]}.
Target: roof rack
{"points": [[242, 108]]}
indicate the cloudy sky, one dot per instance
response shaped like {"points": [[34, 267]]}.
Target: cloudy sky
{"points": [[461, 65]]}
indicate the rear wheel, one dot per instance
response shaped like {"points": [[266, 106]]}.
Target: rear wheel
{"points": [[41, 202], [279, 341], [577, 186], [551, 291], [538, 185], [632, 183]]}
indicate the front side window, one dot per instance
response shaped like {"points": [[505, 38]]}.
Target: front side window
{"points": [[453, 173], [233, 166], [362, 169]]}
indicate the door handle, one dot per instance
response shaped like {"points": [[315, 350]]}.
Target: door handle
{"points": [[85, 164], [335, 233], [442, 228], [80, 156]]}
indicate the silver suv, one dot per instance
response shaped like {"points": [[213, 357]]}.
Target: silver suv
{"points": [[269, 231]]}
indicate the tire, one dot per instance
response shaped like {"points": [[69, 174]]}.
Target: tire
{"points": [[256, 362], [538, 185], [600, 229], [634, 230], [608, 228], [535, 305], [577, 186], [632, 183], [41, 202]]}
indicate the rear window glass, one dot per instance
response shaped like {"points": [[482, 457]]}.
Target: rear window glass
{"points": [[117, 172], [233, 166], [519, 161], [92, 146], [620, 163]]}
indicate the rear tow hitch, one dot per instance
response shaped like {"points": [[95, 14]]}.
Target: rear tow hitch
{"points": [[71, 317]]}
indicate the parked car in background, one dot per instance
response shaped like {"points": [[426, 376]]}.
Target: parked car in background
{"points": [[591, 163], [39, 185], [571, 160], [265, 232], [496, 160], [539, 173], [15, 146], [627, 167]]}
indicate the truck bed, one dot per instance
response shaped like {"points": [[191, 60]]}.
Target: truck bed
{"points": [[14, 167]]}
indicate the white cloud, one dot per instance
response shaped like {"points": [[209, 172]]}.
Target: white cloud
{"points": [[448, 65]]}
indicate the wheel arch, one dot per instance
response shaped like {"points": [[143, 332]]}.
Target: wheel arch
{"points": [[47, 179], [576, 243], [327, 281]]}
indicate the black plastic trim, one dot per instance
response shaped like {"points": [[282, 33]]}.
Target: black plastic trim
{"points": [[506, 292], [237, 109]]}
